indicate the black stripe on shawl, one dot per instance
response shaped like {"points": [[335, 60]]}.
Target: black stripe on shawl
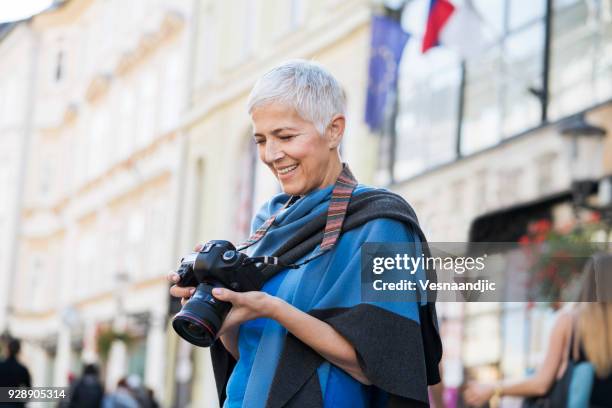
{"points": [[390, 352], [223, 364]]}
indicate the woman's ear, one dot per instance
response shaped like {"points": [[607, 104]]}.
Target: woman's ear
{"points": [[336, 130]]}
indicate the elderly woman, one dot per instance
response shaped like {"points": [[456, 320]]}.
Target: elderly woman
{"points": [[307, 339]]}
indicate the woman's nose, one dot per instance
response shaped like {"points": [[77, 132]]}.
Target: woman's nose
{"points": [[273, 152]]}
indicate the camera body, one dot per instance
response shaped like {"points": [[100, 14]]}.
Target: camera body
{"points": [[216, 264]]}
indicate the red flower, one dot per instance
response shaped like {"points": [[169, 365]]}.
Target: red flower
{"points": [[544, 226], [524, 240], [594, 217]]}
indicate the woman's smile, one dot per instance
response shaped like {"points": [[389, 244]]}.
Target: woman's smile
{"points": [[285, 173]]}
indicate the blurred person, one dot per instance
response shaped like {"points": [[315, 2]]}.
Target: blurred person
{"points": [[138, 391], [306, 337], [582, 333], [152, 400], [12, 373], [121, 398], [87, 391]]}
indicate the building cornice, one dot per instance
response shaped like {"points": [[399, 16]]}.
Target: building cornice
{"points": [[98, 87], [171, 25], [65, 14]]}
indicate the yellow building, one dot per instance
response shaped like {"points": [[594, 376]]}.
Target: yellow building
{"points": [[102, 185]]}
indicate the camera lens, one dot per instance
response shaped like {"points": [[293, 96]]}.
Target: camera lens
{"points": [[194, 329], [201, 317], [195, 332]]}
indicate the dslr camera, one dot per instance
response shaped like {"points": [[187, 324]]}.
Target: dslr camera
{"points": [[216, 264]]}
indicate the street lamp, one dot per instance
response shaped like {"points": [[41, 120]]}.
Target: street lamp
{"points": [[585, 152]]}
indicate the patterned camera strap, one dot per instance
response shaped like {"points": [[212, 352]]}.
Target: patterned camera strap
{"points": [[336, 213]]}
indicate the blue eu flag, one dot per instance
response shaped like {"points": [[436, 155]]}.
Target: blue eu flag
{"points": [[388, 41]]}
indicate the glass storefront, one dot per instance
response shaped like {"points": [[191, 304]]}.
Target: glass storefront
{"points": [[503, 86]]}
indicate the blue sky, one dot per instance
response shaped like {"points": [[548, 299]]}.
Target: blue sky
{"points": [[11, 10]]}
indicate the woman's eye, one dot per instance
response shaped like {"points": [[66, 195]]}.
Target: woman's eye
{"points": [[287, 137], [259, 141]]}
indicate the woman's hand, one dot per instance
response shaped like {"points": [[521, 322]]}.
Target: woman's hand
{"points": [[245, 306], [477, 395], [178, 291]]}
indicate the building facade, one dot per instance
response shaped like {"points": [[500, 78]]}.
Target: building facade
{"points": [[98, 216], [17, 47], [480, 153]]}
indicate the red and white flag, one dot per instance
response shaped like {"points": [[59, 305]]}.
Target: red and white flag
{"points": [[456, 27]]}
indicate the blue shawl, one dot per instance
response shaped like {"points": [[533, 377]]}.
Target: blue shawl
{"points": [[273, 369]]}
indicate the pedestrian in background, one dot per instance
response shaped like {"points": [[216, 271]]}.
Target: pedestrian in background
{"points": [[12, 372], [121, 398], [139, 392], [582, 333], [88, 390]]}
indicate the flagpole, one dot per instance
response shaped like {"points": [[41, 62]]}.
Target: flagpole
{"points": [[460, 110], [393, 136], [546, 62]]}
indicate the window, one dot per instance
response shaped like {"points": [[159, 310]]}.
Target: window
{"points": [[14, 101], [156, 236], [500, 83], [172, 93], [127, 125], [58, 66], [134, 243], [147, 109], [428, 102], [546, 172], [98, 144], [297, 13], [137, 356], [428, 109], [581, 56], [245, 190], [45, 179], [208, 47], [250, 14], [36, 282], [86, 266]]}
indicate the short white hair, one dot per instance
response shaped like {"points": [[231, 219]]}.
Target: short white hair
{"points": [[303, 85]]}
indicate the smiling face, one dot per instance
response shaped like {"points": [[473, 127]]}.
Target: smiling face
{"points": [[300, 157]]}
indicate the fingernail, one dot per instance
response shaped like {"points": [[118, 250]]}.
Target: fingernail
{"points": [[217, 291], [191, 291], [175, 278]]}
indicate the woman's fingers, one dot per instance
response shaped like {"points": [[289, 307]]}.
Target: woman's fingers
{"points": [[181, 292], [225, 295], [173, 277], [198, 247]]}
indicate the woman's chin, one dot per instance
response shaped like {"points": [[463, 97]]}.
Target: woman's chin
{"points": [[292, 189]]}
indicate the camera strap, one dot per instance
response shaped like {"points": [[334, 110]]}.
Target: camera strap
{"points": [[336, 213]]}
